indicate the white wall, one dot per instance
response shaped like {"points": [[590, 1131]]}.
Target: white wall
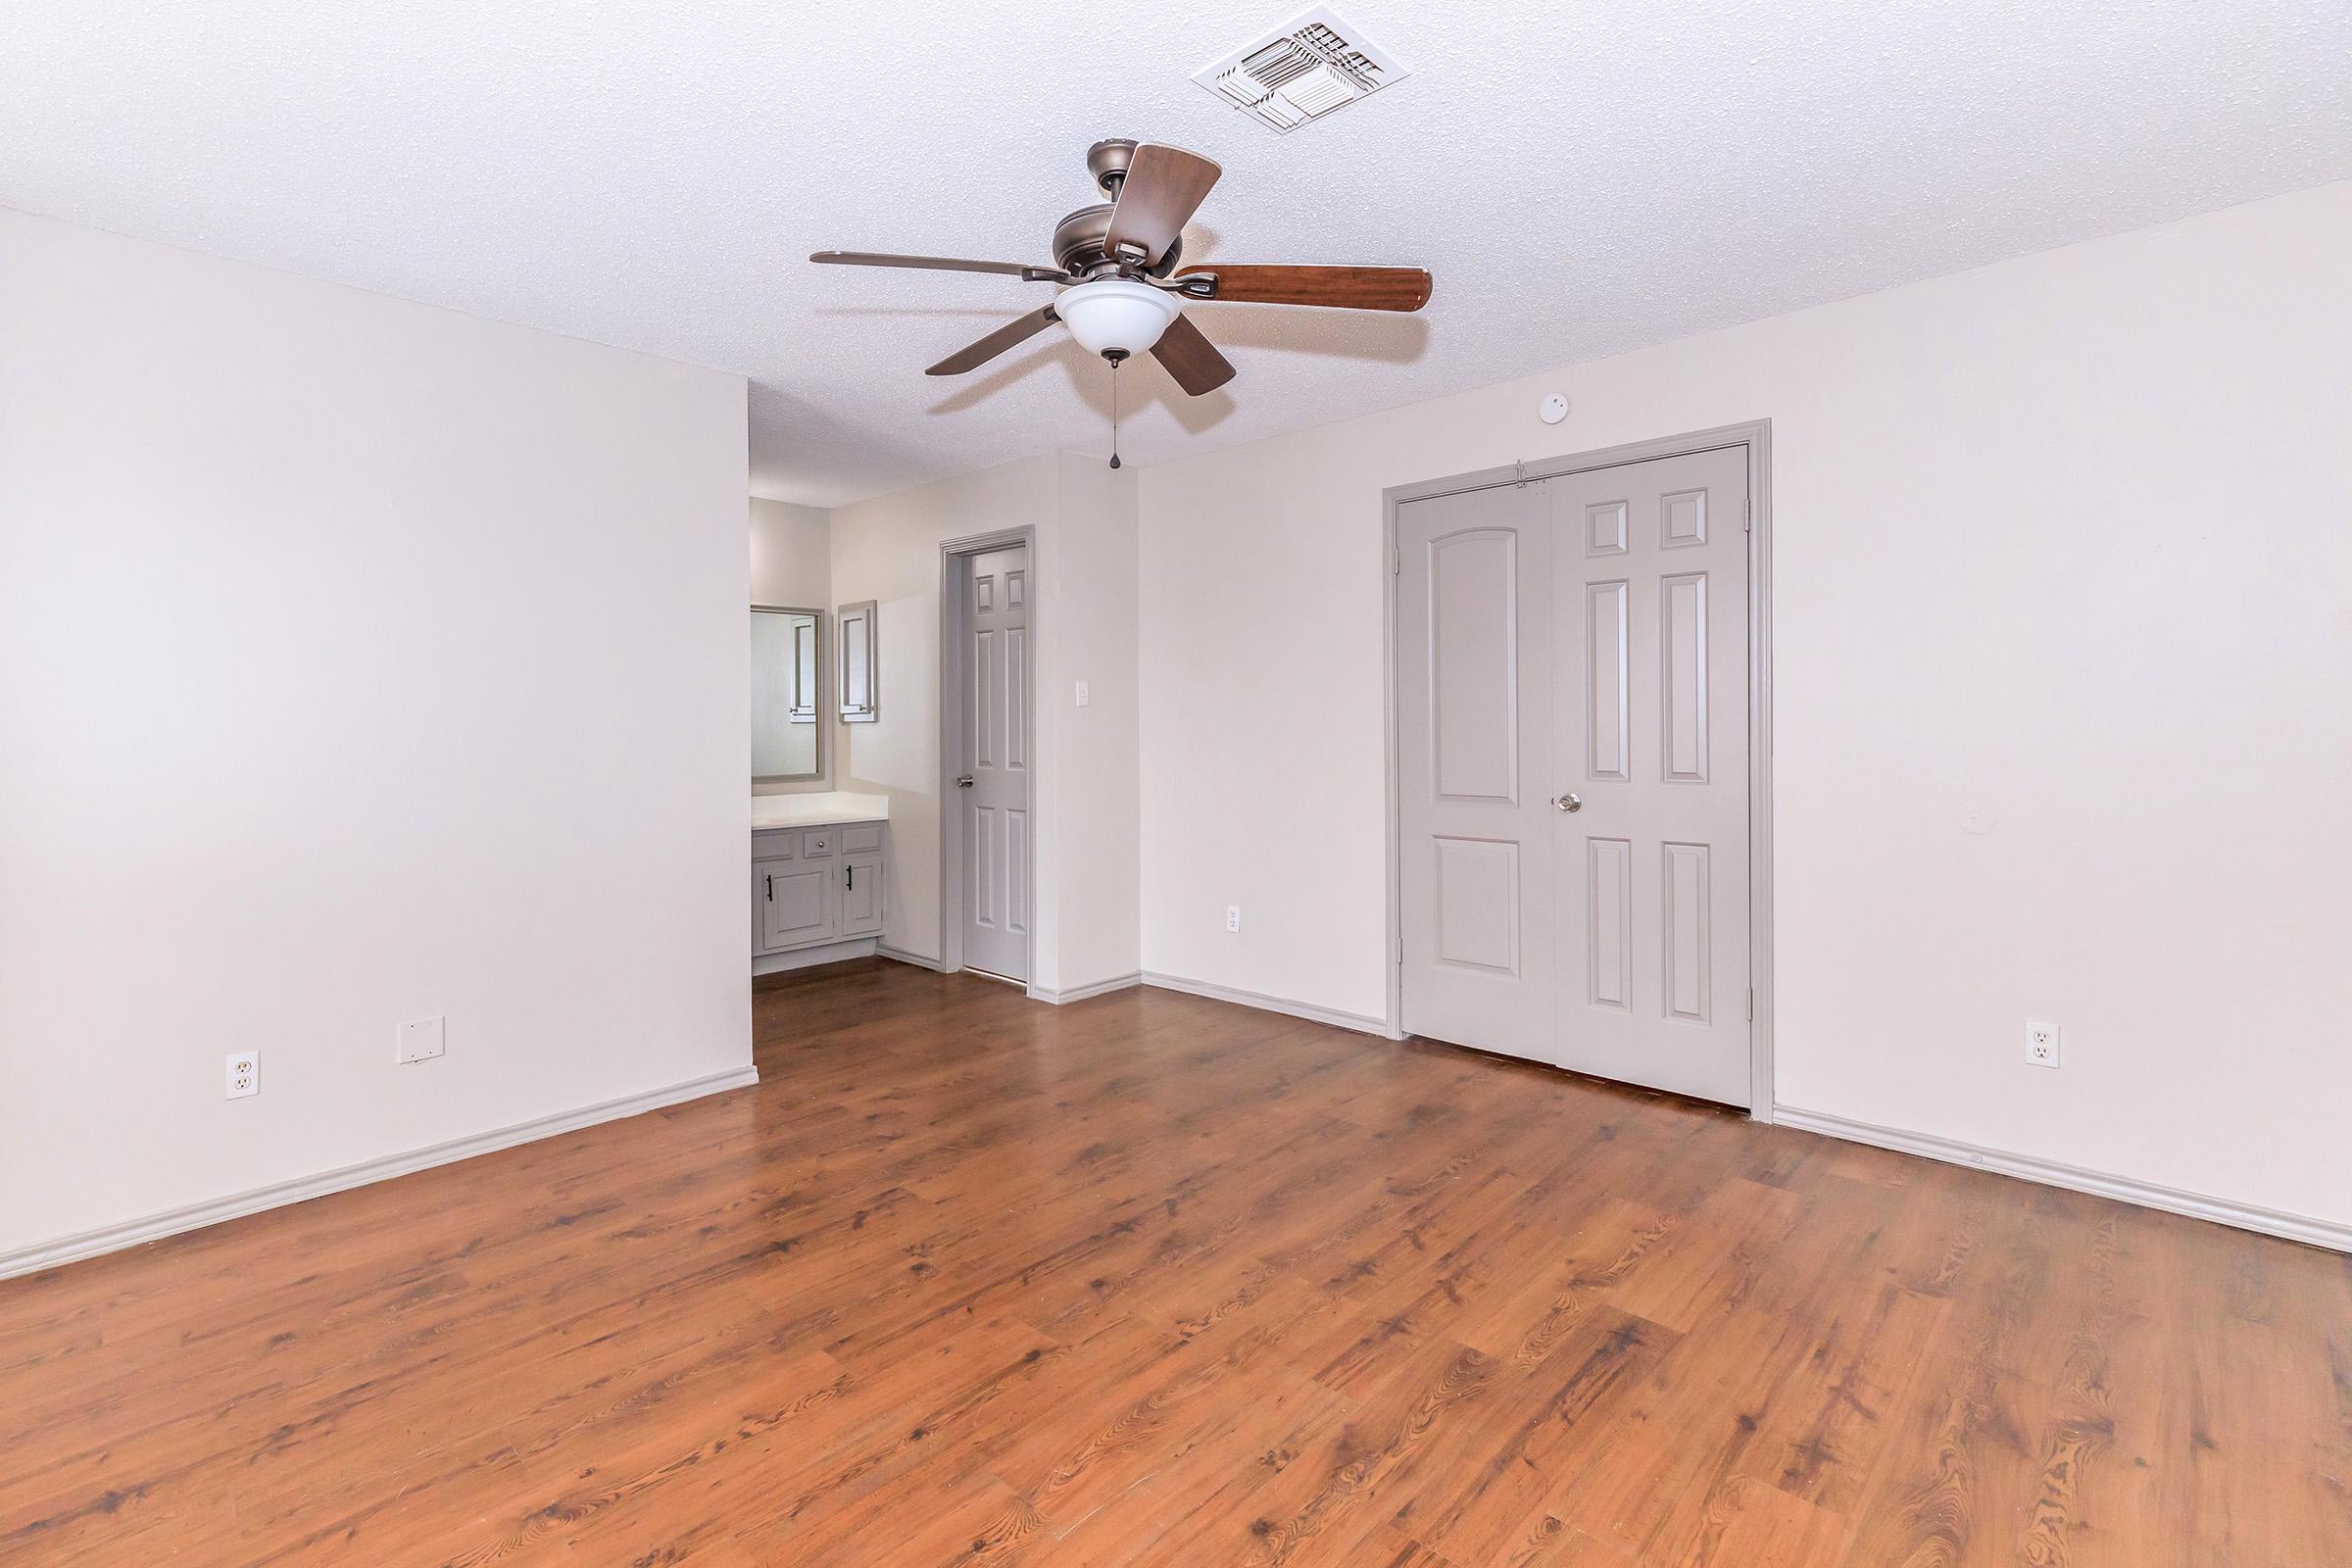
{"points": [[792, 555], [1090, 832], [2065, 540], [887, 548], [359, 661]]}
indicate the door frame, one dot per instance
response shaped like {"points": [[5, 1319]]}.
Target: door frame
{"points": [[953, 557], [1756, 436]]}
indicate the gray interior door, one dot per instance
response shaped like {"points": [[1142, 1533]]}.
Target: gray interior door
{"points": [[1572, 785], [1474, 660], [1650, 741], [993, 766]]}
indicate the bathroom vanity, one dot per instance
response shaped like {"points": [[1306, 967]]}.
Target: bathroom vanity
{"points": [[819, 866]]}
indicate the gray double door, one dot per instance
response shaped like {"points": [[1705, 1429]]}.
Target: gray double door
{"points": [[1573, 770]]}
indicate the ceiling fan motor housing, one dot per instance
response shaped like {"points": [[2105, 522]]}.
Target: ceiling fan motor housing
{"points": [[1078, 241], [1107, 161]]}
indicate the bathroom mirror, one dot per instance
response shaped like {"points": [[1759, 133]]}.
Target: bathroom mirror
{"points": [[786, 685], [860, 701]]}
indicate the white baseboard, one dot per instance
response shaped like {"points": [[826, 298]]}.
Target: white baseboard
{"points": [[195, 1216], [810, 958], [1100, 988], [916, 959], [1265, 1003], [2052, 1173]]}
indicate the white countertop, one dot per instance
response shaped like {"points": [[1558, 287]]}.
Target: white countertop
{"points": [[817, 810]]}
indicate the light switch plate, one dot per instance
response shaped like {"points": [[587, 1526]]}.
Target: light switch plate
{"points": [[1083, 696], [422, 1039]]}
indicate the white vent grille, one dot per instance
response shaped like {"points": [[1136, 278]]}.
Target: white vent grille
{"points": [[1313, 64]]}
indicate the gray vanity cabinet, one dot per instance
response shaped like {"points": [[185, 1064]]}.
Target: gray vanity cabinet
{"points": [[796, 907], [861, 880], [814, 885]]}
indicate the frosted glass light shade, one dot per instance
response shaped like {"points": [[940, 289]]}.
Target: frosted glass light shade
{"points": [[1116, 312]]}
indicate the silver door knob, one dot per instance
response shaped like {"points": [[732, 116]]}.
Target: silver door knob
{"points": [[1568, 802], [963, 781]]}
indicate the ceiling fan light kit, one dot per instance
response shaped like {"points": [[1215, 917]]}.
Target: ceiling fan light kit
{"points": [[1115, 263], [1116, 314]]}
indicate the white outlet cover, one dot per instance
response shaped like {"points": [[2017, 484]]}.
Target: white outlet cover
{"points": [[422, 1039], [243, 1073], [2035, 1032], [1232, 917]]}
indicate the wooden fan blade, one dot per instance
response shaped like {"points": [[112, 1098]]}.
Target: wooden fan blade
{"points": [[935, 264], [1357, 288], [996, 343], [1191, 358], [1163, 189]]}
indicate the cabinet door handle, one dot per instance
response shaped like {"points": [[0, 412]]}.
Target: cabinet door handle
{"points": [[853, 870], [772, 888]]}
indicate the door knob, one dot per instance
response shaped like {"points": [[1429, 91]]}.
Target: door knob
{"points": [[1568, 802], [963, 781]]}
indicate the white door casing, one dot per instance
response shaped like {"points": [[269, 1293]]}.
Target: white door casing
{"points": [[1572, 770], [993, 679]]}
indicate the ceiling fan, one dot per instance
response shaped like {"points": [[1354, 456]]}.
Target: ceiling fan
{"points": [[1116, 262]]}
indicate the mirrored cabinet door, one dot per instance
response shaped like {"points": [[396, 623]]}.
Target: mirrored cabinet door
{"points": [[787, 693], [860, 701]]}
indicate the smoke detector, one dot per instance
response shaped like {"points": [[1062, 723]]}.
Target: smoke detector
{"points": [[1313, 64]]}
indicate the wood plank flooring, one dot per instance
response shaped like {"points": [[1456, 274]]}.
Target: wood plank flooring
{"points": [[1150, 1280]]}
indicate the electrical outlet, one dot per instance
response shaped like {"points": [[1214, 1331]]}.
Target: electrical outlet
{"points": [[422, 1039], [244, 1074], [2041, 1043], [1232, 917]]}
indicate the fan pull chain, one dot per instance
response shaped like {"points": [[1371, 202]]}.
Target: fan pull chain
{"points": [[1114, 412]]}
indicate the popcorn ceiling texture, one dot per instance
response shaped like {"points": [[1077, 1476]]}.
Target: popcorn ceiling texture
{"points": [[1581, 177]]}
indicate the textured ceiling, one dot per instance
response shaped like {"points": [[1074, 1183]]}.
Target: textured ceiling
{"points": [[1581, 177]]}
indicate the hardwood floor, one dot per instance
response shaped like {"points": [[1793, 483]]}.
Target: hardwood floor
{"points": [[1157, 1280]]}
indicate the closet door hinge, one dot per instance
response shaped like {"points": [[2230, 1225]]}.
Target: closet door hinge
{"points": [[1751, 1004], [1747, 520], [1396, 562]]}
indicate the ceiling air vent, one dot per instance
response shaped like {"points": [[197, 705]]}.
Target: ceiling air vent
{"points": [[1313, 64]]}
